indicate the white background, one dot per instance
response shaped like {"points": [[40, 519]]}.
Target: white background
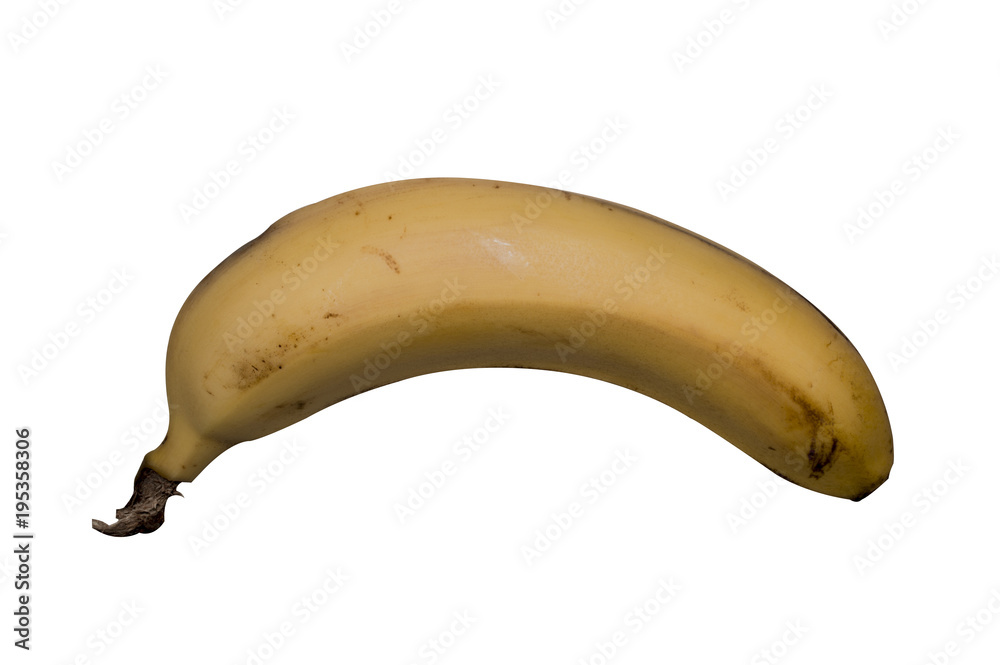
{"points": [[900, 577]]}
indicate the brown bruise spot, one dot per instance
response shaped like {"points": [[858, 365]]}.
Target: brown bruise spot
{"points": [[823, 444], [528, 331], [256, 364], [328, 315], [386, 256], [297, 405], [824, 447]]}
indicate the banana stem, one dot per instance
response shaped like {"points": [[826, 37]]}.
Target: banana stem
{"points": [[144, 511]]}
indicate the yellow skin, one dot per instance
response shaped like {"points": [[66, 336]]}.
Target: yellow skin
{"points": [[402, 279]]}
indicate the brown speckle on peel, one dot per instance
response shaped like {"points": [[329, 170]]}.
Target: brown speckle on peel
{"points": [[386, 256], [249, 373], [330, 315], [734, 297]]}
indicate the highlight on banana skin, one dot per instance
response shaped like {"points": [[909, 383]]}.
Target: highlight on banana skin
{"points": [[455, 273]]}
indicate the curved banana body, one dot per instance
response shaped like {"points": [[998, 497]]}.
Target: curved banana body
{"points": [[402, 279]]}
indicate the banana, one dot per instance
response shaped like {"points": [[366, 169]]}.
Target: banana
{"points": [[402, 279]]}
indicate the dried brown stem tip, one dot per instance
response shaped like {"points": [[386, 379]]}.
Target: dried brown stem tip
{"points": [[144, 511]]}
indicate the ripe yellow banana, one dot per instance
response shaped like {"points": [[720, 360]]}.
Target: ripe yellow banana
{"points": [[402, 279]]}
